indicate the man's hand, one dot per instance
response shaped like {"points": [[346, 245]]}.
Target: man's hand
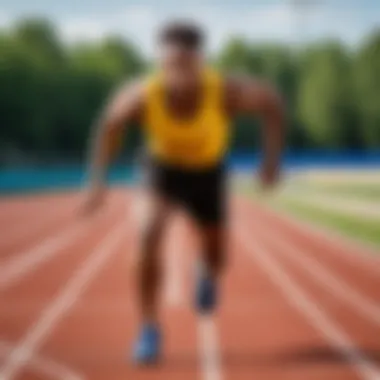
{"points": [[94, 200], [248, 96]]}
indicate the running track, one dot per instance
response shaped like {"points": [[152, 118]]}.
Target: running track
{"points": [[297, 303]]}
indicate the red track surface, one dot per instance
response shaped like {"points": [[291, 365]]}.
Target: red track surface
{"points": [[295, 305]]}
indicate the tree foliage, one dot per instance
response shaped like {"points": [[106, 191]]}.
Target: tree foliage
{"points": [[367, 87], [50, 93]]}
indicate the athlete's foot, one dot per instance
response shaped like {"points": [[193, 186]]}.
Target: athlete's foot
{"points": [[148, 345], [206, 292]]}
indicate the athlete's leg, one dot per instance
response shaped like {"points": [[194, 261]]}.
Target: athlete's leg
{"points": [[213, 239], [207, 204], [211, 268], [149, 263], [147, 348]]}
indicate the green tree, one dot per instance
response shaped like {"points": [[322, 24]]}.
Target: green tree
{"points": [[112, 58], [238, 56], [324, 100], [271, 62], [367, 89], [50, 93]]}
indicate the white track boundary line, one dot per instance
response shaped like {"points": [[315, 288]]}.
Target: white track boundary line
{"points": [[209, 349], [100, 306], [14, 213], [61, 304], [31, 258], [173, 291], [297, 297], [137, 208], [366, 211], [366, 255], [29, 228], [44, 366], [14, 269], [360, 303], [140, 208], [359, 253], [207, 331]]}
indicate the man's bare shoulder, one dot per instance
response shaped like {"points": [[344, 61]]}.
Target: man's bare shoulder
{"points": [[134, 90], [246, 93], [234, 85], [130, 98]]}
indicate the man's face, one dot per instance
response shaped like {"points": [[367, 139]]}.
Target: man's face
{"points": [[181, 66]]}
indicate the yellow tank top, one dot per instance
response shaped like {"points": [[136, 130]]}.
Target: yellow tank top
{"points": [[196, 143]]}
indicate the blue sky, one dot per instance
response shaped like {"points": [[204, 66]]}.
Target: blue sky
{"points": [[272, 20]]}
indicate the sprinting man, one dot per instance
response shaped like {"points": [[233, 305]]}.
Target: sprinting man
{"points": [[185, 110]]}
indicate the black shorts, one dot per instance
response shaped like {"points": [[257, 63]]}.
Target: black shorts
{"points": [[201, 192]]}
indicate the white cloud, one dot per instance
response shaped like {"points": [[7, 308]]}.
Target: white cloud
{"points": [[140, 23], [271, 22], [259, 21], [130, 21], [5, 20]]}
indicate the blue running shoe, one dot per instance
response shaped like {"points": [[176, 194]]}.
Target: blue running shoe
{"points": [[206, 293], [148, 345]]}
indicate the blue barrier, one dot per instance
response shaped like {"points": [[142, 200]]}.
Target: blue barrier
{"points": [[312, 159], [36, 179], [28, 179]]}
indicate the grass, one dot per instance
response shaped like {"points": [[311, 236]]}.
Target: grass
{"points": [[368, 231], [360, 191], [364, 230], [363, 192]]}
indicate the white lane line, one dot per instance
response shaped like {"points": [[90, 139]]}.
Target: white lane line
{"points": [[209, 349], [14, 269], [296, 296], [101, 306], [140, 209], [28, 228], [26, 261], [207, 331], [44, 366], [173, 291], [17, 212], [331, 281], [61, 304]]}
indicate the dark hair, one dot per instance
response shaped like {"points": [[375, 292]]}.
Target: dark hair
{"points": [[182, 33]]}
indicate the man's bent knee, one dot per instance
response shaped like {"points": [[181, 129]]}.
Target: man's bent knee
{"points": [[153, 228], [214, 244]]}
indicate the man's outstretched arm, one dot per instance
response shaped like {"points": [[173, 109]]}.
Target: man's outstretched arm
{"points": [[259, 99], [124, 107]]}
